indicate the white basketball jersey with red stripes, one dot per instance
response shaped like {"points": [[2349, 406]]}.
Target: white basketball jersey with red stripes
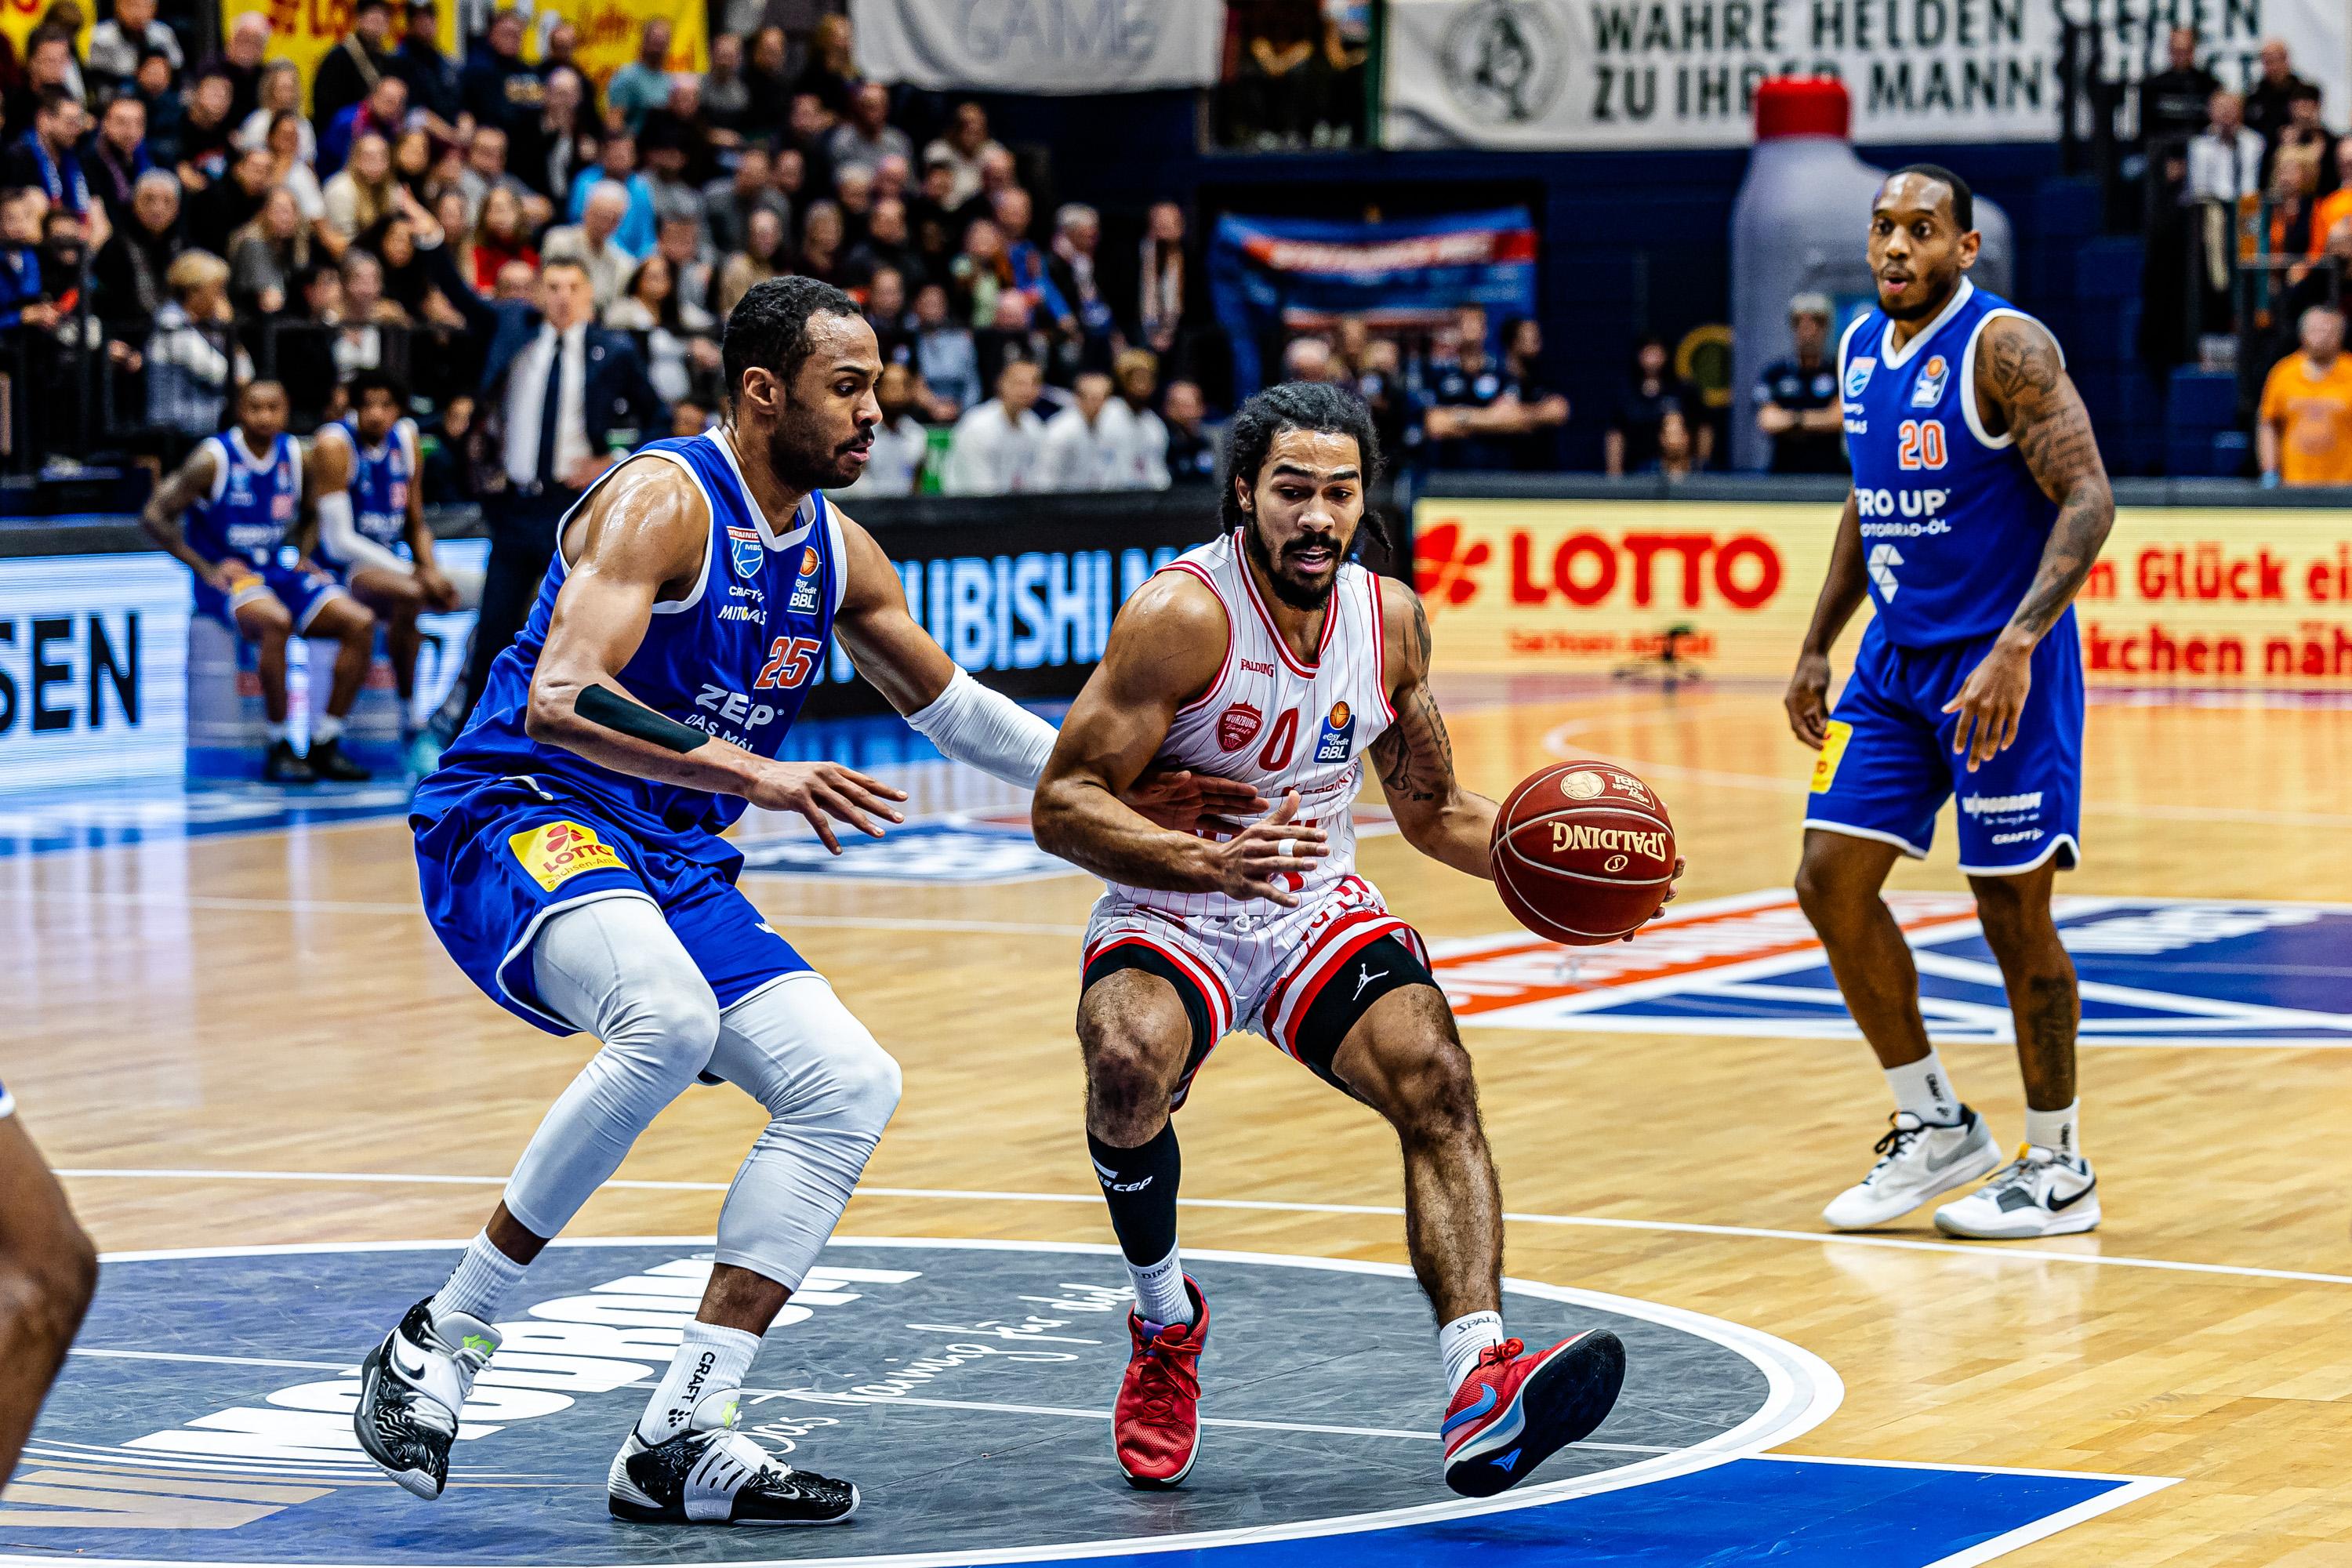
{"points": [[1270, 721]]}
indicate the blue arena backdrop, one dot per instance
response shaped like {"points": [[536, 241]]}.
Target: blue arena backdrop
{"points": [[1273, 278], [94, 645]]}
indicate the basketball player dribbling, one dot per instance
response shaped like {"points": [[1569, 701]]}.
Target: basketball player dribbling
{"points": [[1270, 658], [570, 854], [1978, 505]]}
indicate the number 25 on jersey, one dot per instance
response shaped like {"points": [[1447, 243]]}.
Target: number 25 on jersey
{"points": [[790, 661], [1919, 444]]}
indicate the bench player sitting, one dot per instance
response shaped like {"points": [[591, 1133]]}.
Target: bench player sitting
{"points": [[228, 511]]}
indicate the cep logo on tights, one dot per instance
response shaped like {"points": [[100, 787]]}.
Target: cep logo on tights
{"points": [[560, 851]]}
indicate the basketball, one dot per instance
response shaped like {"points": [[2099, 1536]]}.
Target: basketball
{"points": [[1583, 853]]}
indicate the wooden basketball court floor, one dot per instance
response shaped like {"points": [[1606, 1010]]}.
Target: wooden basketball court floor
{"points": [[255, 1039]]}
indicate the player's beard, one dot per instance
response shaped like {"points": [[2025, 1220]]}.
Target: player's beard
{"points": [[1299, 595], [803, 460], [1926, 307]]}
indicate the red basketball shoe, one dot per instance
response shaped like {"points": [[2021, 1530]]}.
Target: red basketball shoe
{"points": [[1519, 1409], [1156, 1424]]}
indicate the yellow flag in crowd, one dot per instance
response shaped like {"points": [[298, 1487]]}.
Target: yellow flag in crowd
{"points": [[304, 30], [19, 18], [609, 29]]}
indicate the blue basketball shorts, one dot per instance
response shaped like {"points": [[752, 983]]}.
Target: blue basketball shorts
{"points": [[303, 593], [511, 854], [1888, 763]]}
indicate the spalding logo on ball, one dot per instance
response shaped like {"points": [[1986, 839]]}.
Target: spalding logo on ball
{"points": [[1583, 855]]}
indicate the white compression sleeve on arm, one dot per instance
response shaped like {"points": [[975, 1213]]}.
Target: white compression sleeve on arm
{"points": [[340, 532], [987, 728]]}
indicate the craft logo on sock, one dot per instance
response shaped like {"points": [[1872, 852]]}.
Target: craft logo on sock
{"points": [[560, 851], [1338, 740], [803, 600]]}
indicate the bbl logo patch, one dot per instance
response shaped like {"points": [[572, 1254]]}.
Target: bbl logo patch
{"points": [[1583, 786], [1237, 726], [803, 599], [744, 550], [560, 851], [1929, 390], [1857, 374], [1338, 737]]}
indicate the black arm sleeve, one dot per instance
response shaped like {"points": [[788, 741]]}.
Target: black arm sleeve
{"points": [[609, 709]]}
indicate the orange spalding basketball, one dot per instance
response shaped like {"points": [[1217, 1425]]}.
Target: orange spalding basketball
{"points": [[1583, 853]]}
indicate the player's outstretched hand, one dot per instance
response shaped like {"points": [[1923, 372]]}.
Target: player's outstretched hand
{"points": [[822, 790], [1661, 912], [1808, 699], [1253, 862], [1989, 702], [1185, 802]]}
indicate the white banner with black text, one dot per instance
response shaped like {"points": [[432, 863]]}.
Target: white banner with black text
{"points": [[1637, 74], [1040, 46]]}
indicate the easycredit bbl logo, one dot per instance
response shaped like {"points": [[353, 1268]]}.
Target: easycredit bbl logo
{"points": [[1644, 568]]}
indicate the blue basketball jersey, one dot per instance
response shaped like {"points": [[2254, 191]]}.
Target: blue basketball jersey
{"points": [[379, 480], [735, 657], [1952, 520], [252, 503]]}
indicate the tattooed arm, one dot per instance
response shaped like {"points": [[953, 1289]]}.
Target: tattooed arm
{"points": [[2022, 387], [1415, 756]]}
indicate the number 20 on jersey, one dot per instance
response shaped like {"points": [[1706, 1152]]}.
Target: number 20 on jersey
{"points": [[1919, 444]]}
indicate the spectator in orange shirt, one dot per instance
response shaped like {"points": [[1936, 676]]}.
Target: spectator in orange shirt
{"points": [[2336, 205], [2305, 432]]}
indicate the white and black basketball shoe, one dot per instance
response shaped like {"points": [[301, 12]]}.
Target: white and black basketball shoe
{"points": [[412, 1388], [1916, 1161], [2040, 1192], [712, 1474]]}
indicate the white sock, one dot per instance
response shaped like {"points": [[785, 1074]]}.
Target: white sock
{"points": [[479, 1285], [2056, 1129], [1159, 1293], [1461, 1343], [276, 731], [1925, 1090], [325, 728], [709, 1360]]}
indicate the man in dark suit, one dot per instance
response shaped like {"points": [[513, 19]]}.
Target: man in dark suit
{"points": [[562, 400]]}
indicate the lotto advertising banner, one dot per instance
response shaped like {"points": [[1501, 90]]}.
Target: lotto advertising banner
{"points": [[2189, 596], [1040, 46], [1272, 277], [1683, 73]]}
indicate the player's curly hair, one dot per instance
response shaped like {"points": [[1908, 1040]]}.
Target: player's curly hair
{"points": [[768, 326], [1292, 405]]}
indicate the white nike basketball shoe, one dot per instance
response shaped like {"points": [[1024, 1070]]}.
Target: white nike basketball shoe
{"points": [[1916, 1161], [2042, 1193], [412, 1388], [711, 1474]]}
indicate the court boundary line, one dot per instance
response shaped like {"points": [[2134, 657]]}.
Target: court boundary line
{"points": [[1272, 1205], [1802, 1391]]}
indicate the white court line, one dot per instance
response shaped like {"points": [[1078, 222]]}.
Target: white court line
{"points": [[1980, 1251], [817, 1397], [214, 1360], [1559, 743], [417, 911]]}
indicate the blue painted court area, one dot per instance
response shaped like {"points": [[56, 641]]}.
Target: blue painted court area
{"points": [[1789, 1514]]}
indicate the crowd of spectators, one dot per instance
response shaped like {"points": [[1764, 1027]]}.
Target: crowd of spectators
{"points": [[230, 233]]}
